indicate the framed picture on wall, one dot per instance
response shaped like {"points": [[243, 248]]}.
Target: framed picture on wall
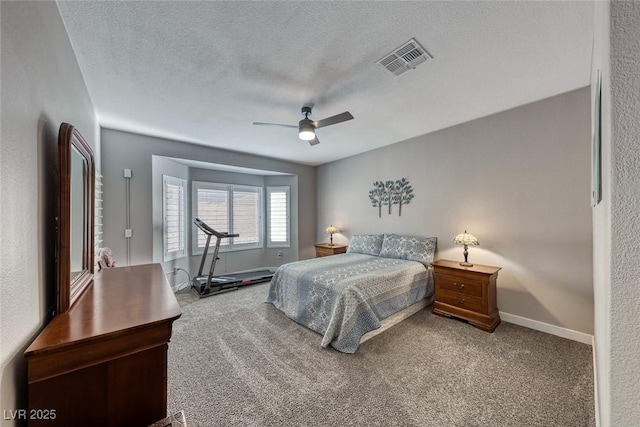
{"points": [[596, 172]]}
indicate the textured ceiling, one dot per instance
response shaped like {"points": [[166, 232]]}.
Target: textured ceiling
{"points": [[202, 72]]}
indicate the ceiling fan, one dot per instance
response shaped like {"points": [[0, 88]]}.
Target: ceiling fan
{"points": [[307, 127]]}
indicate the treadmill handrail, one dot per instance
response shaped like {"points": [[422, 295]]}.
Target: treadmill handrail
{"points": [[210, 231]]}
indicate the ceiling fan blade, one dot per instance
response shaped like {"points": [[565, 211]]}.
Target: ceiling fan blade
{"points": [[275, 124], [314, 141], [338, 118]]}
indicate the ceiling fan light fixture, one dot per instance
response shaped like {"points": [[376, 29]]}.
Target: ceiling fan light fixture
{"points": [[306, 131], [307, 127]]}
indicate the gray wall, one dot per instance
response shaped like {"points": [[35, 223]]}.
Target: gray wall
{"points": [[616, 220], [519, 180], [41, 87], [122, 150]]}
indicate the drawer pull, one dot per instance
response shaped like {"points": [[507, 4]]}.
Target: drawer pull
{"points": [[459, 286], [459, 301]]}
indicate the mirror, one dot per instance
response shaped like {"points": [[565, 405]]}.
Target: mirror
{"points": [[77, 239], [75, 217]]}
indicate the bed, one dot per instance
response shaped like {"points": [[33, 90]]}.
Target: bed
{"points": [[382, 279]]}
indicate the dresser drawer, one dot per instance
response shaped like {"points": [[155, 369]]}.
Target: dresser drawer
{"points": [[457, 299], [453, 284]]}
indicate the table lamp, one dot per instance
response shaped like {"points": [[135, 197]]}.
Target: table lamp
{"points": [[467, 240], [330, 230]]}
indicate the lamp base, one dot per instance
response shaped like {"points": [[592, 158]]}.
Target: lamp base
{"points": [[466, 264]]}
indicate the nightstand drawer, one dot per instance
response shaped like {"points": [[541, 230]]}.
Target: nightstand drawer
{"points": [[453, 284], [457, 299], [323, 249], [323, 252]]}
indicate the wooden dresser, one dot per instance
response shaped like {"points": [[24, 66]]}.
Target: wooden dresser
{"points": [[468, 293], [104, 362], [325, 249]]}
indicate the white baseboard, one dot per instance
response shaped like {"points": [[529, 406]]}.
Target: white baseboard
{"points": [[547, 328], [595, 383]]}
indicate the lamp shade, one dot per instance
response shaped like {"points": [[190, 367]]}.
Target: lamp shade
{"points": [[466, 239], [331, 229], [306, 131]]}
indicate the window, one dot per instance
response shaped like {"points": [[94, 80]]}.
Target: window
{"points": [[174, 217], [278, 217], [236, 209]]}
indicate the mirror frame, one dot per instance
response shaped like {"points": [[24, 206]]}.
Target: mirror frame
{"points": [[68, 292]]}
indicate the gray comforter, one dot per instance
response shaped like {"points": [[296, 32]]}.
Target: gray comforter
{"points": [[345, 296]]}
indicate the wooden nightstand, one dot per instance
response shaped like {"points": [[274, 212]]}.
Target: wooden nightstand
{"points": [[468, 293], [325, 249]]}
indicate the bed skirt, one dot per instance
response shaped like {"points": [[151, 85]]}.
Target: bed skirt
{"points": [[398, 317]]}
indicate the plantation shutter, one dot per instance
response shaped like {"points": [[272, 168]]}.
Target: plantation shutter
{"points": [[235, 209], [174, 224], [278, 216], [246, 216], [213, 208]]}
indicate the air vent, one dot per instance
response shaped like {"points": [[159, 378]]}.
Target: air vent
{"points": [[405, 58]]}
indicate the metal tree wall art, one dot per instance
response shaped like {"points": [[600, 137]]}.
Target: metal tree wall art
{"points": [[403, 193], [388, 188], [378, 196], [389, 193]]}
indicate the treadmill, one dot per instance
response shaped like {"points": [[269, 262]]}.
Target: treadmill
{"points": [[208, 285]]}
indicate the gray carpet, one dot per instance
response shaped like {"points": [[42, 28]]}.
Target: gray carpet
{"points": [[236, 361]]}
